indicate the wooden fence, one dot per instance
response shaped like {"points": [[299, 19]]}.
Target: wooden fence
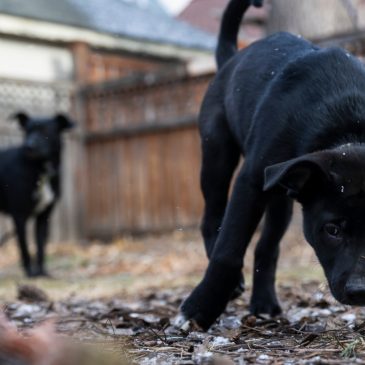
{"points": [[96, 65], [140, 170]]}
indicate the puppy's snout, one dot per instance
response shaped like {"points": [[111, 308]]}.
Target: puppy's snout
{"points": [[30, 145], [355, 291], [29, 148]]}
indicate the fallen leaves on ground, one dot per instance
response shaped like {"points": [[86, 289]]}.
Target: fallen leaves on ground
{"points": [[121, 297], [313, 330]]}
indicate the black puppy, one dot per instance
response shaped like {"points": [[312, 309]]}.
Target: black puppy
{"points": [[30, 182], [297, 114]]}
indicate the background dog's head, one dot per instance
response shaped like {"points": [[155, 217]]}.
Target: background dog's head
{"points": [[42, 138], [330, 185]]}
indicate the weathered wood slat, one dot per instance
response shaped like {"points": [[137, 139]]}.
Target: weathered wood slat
{"points": [[141, 129]]}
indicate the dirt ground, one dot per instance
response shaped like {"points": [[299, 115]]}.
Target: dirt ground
{"points": [[125, 293]]}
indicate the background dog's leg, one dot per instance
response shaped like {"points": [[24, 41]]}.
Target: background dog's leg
{"points": [[20, 224], [220, 157], [41, 231], [277, 218], [244, 211]]}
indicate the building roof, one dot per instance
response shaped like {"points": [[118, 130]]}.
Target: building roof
{"points": [[137, 19]]}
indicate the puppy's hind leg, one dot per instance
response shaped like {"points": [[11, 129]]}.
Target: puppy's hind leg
{"points": [[220, 156], [278, 215]]}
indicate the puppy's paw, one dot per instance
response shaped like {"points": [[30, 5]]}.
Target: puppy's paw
{"points": [[31, 273], [38, 273], [209, 299], [203, 307], [200, 309], [265, 305], [181, 322], [195, 316]]}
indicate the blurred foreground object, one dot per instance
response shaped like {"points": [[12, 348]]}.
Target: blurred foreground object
{"points": [[42, 346]]}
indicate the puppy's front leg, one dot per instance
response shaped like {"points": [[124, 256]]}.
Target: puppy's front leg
{"points": [[210, 297], [20, 225], [42, 223], [278, 214]]}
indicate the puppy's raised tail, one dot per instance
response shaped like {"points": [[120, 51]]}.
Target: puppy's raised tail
{"points": [[228, 35]]}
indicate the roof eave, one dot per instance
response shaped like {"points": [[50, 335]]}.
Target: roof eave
{"points": [[52, 32]]}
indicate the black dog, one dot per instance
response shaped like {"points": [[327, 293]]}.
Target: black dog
{"points": [[30, 182], [297, 114]]}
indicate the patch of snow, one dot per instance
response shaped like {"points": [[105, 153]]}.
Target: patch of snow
{"points": [[349, 318], [219, 341], [263, 358], [26, 310]]}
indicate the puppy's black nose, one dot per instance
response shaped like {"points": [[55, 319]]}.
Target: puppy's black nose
{"points": [[355, 294], [30, 144], [29, 148]]}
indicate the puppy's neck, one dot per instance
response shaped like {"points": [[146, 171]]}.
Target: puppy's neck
{"points": [[337, 142], [347, 145], [49, 169]]}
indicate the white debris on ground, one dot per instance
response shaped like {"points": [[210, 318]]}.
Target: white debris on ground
{"points": [[313, 329]]}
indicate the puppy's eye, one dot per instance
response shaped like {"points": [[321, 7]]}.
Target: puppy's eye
{"points": [[333, 230]]}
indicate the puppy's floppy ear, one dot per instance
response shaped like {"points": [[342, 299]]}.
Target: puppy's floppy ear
{"points": [[21, 117], [64, 122], [294, 174]]}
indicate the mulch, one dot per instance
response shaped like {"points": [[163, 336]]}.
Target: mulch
{"points": [[314, 328]]}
